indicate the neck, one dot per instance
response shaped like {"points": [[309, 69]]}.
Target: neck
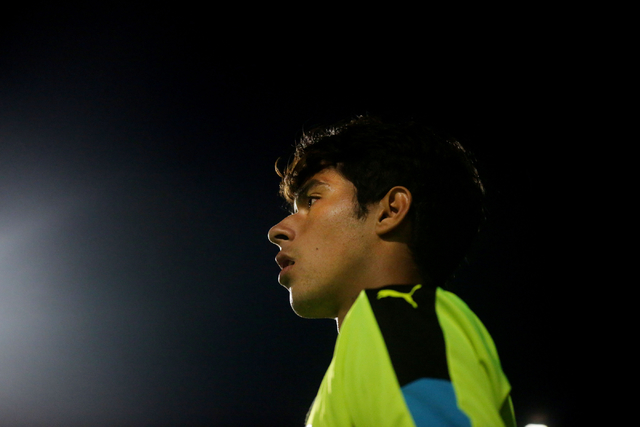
{"points": [[391, 267]]}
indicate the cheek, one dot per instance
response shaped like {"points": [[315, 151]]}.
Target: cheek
{"points": [[343, 241], [334, 236]]}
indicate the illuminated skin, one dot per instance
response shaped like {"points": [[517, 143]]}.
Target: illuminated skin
{"points": [[328, 255]]}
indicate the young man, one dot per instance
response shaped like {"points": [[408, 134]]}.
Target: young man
{"points": [[383, 213]]}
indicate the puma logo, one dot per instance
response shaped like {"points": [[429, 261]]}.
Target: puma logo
{"points": [[408, 297]]}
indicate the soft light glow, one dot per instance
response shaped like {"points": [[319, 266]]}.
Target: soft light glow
{"points": [[67, 324], [536, 425]]}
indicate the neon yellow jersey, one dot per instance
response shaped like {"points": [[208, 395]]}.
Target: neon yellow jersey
{"points": [[412, 356]]}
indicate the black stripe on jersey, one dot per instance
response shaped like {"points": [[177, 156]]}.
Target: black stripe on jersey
{"points": [[413, 336]]}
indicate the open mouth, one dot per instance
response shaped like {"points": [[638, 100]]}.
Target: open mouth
{"points": [[284, 261]]}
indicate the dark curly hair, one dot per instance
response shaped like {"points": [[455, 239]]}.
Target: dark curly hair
{"points": [[376, 155]]}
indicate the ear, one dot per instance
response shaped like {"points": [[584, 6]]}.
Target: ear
{"points": [[393, 209]]}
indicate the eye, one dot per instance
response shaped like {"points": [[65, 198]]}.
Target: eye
{"points": [[311, 200]]}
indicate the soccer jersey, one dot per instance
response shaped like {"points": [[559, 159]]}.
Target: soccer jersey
{"points": [[412, 356]]}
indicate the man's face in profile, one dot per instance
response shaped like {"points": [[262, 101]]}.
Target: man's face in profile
{"points": [[323, 246]]}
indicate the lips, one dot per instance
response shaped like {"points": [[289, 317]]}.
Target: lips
{"points": [[284, 260]]}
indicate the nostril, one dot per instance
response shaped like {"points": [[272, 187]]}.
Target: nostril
{"points": [[281, 237]]}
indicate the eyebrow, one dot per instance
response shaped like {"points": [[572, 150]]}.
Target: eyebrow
{"points": [[308, 186]]}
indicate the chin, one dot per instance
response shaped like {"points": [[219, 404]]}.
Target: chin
{"points": [[311, 309]]}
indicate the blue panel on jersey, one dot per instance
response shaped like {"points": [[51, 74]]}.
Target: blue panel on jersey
{"points": [[432, 403]]}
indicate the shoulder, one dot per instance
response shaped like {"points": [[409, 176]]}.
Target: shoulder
{"points": [[407, 320]]}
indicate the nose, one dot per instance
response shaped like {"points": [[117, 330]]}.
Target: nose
{"points": [[280, 232]]}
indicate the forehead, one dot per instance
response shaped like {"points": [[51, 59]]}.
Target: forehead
{"points": [[328, 177]]}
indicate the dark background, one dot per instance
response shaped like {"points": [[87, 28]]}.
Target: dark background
{"points": [[137, 186]]}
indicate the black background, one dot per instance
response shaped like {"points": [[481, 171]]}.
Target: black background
{"points": [[137, 186]]}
